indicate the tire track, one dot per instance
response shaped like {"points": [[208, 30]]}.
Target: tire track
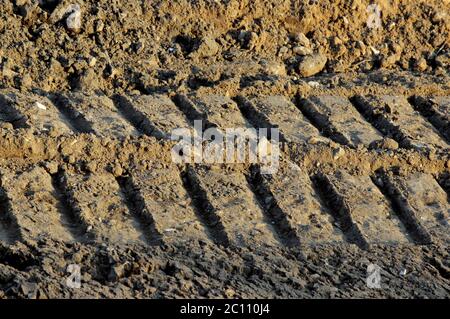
{"points": [[340, 210], [409, 219], [72, 223], [436, 111], [396, 118], [134, 203], [203, 208], [9, 228], [274, 214]]}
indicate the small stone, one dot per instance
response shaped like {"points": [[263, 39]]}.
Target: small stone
{"points": [[29, 289], [92, 61], [274, 68], [87, 81], [91, 167], [439, 16], [390, 60], [302, 40], [207, 48], [252, 40], [374, 50], [314, 84], [248, 39], [139, 47], [73, 21], [302, 50], [312, 64], [283, 51], [117, 271], [421, 64], [314, 140], [51, 167], [230, 293], [117, 171], [443, 60], [41, 106], [385, 143], [336, 41], [8, 73], [360, 45], [6, 126], [26, 81], [338, 153], [99, 26]]}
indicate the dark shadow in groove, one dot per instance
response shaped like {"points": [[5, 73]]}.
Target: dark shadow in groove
{"points": [[255, 118], [202, 208], [135, 117], [323, 125], [76, 120], [443, 270], [8, 220], [185, 105], [412, 225], [379, 122], [444, 181], [70, 219], [10, 114], [273, 214], [337, 207], [136, 205], [425, 109]]}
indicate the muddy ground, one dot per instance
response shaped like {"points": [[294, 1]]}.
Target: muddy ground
{"points": [[89, 94]]}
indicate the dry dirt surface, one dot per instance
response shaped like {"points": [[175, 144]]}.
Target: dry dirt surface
{"points": [[91, 91]]}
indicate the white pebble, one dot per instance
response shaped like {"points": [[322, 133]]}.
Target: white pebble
{"points": [[41, 106]]}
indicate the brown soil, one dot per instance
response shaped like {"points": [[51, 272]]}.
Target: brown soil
{"points": [[165, 45], [87, 178]]}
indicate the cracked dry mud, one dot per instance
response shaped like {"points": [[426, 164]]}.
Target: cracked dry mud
{"points": [[87, 177]]}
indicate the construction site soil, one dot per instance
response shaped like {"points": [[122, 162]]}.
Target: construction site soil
{"points": [[90, 92]]}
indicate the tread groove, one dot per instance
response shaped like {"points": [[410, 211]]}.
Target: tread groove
{"points": [[273, 213], [135, 117], [428, 112], [406, 216], [134, 203], [185, 105], [9, 228], [75, 225], [202, 208], [327, 130], [341, 212], [78, 122], [378, 122], [256, 119]]}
